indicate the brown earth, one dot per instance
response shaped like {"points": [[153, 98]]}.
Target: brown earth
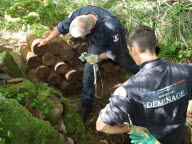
{"points": [[109, 85]]}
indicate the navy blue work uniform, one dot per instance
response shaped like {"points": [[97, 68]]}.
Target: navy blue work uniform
{"points": [[156, 98], [107, 35]]}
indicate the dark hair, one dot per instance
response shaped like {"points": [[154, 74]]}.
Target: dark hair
{"points": [[144, 37]]}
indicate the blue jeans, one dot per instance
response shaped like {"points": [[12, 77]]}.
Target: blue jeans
{"points": [[87, 95]]}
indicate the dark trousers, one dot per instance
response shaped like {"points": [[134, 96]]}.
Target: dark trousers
{"points": [[88, 91]]}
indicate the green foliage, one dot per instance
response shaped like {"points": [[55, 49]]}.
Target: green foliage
{"points": [[19, 9], [168, 51], [177, 24], [35, 11], [49, 15], [2, 140], [187, 54], [42, 101], [171, 22], [19, 91], [35, 28], [19, 126], [37, 94], [174, 52]]}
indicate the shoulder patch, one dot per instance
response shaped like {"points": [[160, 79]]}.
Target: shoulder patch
{"points": [[120, 91], [116, 38], [71, 13]]}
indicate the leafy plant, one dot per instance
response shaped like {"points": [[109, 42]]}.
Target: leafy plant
{"points": [[171, 22], [168, 51], [187, 54]]}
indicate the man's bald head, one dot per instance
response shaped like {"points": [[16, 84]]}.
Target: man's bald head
{"points": [[80, 26]]}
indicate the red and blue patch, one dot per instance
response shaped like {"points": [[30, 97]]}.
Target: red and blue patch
{"points": [[116, 37]]}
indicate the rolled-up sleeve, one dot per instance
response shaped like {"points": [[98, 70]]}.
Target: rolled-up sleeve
{"points": [[117, 111], [63, 27]]}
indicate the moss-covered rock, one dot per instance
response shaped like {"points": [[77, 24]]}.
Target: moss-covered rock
{"points": [[40, 96], [74, 124], [18, 126], [48, 101], [9, 66], [19, 91]]}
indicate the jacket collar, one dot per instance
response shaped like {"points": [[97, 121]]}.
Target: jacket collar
{"points": [[151, 64]]}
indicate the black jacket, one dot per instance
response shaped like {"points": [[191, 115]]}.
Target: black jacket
{"points": [[156, 98], [108, 33]]}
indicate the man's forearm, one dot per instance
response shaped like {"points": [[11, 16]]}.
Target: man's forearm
{"points": [[117, 129], [103, 56], [53, 35]]}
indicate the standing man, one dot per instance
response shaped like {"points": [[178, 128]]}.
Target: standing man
{"points": [[156, 97], [106, 36]]}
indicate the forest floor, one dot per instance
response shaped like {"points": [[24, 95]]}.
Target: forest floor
{"points": [[11, 40]]}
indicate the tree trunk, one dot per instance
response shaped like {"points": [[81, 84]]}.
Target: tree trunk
{"points": [[66, 37], [72, 75], [74, 43], [56, 46], [75, 61], [60, 66], [42, 71], [53, 78], [30, 38], [67, 53], [40, 51], [82, 48], [80, 70], [48, 59], [32, 60], [64, 85], [37, 50], [31, 75], [69, 88]]}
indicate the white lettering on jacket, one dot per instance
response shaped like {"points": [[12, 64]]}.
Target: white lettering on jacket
{"points": [[165, 95]]}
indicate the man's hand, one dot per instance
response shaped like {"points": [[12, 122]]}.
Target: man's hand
{"points": [[93, 59], [138, 138], [137, 129], [39, 42]]}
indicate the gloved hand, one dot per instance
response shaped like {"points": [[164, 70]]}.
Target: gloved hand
{"points": [[137, 129], [92, 59], [138, 138]]}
